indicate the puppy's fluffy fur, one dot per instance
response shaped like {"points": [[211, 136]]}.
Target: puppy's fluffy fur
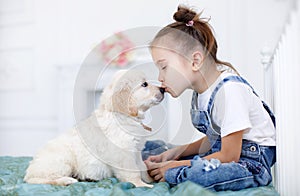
{"points": [[106, 144]]}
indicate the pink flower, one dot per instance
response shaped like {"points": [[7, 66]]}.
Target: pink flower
{"points": [[116, 50]]}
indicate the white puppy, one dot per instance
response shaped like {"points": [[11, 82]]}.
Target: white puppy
{"points": [[106, 144]]}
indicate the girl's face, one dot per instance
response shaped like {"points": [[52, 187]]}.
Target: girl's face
{"points": [[175, 71]]}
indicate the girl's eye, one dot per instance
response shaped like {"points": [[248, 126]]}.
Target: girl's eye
{"points": [[164, 67], [145, 84]]}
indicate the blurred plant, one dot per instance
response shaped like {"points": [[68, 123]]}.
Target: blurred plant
{"points": [[116, 50]]}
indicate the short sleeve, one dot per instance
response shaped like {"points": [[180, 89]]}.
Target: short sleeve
{"points": [[231, 109]]}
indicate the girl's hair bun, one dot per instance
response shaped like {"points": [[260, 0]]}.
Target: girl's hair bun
{"points": [[184, 14]]}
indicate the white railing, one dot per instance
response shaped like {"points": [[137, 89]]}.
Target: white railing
{"points": [[282, 91]]}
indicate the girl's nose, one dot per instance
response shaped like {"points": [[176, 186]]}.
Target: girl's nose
{"points": [[160, 78]]}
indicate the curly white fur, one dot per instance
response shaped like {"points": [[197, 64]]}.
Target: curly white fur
{"points": [[106, 144]]}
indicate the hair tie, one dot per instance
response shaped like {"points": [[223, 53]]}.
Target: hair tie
{"points": [[190, 23]]}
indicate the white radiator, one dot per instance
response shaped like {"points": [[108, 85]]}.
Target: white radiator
{"points": [[282, 92]]}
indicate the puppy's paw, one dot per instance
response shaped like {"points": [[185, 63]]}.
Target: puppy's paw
{"points": [[65, 181], [146, 178], [142, 184]]}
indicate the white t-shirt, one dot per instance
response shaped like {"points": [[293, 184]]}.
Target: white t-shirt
{"points": [[237, 108]]}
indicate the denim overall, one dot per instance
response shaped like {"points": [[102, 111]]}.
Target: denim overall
{"points": [[252, 170]]}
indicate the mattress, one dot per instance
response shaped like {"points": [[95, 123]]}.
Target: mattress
{"points": [[12, 171]]}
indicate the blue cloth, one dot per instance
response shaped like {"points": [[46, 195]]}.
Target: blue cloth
{"points": [[12, 171], [252, 170], [154, 148]]}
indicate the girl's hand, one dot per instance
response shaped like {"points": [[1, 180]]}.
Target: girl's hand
{"points": [[171, 154], [157, 170]]}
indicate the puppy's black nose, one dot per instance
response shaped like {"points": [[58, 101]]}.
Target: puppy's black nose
{"points": [[162, 90]]}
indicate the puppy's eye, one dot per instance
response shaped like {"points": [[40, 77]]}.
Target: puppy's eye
{"points": [[145, 84]]}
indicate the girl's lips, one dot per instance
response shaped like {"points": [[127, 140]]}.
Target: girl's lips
{"points": [[167, 90], [163, 86]]}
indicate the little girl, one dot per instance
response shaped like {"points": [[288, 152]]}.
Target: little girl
{"points": [[239, 147]]}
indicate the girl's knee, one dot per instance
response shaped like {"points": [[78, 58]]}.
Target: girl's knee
{"points": [[207, 173]]}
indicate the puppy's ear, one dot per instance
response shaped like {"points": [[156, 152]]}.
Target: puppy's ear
{"points": [[133, 111], [121, 102]]}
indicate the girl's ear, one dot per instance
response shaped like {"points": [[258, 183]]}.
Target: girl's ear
{"points": [[197, 60]]}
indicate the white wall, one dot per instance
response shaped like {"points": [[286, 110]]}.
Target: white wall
{"points": [[38, 36]]}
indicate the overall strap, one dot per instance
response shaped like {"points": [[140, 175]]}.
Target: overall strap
{"points": [[194, 104], [241, 80]]}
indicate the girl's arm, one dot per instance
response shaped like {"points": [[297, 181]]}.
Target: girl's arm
{"points": [[230, 151], [231, 148], [198, 147]]}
